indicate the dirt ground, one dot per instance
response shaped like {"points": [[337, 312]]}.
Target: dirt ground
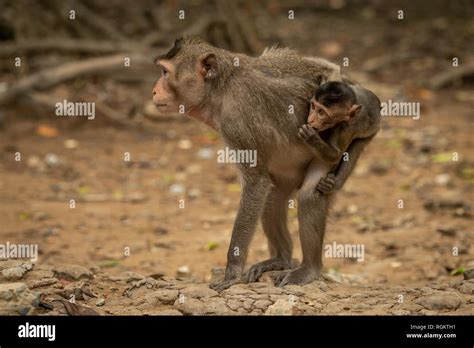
{"points": [[128, 214]]}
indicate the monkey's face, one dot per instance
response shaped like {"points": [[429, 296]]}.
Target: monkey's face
{"points": [[322, 117], [184, 83]]}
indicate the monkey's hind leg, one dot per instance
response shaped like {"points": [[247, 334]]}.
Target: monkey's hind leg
{"points": [[275, 225], [312, 211]]}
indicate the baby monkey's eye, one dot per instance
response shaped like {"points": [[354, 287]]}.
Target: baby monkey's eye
{"points": [[165, 73]]}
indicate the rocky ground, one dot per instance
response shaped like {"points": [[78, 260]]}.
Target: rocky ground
{"points": [[74, 290]]}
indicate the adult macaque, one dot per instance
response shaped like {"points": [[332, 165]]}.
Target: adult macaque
{"points": [[258, 104]]}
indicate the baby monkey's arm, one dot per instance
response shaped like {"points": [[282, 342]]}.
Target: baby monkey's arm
{"points": [[327, 152], [334, 182]]}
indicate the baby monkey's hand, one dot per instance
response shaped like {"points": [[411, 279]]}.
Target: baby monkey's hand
{"points": [[307, 133]]}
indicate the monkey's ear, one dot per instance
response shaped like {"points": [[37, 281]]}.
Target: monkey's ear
{"points": [[354, 110], [208, 66]]}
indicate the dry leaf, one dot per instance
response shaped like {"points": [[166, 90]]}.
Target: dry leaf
{"points": [[75, 309], [47, 131]]}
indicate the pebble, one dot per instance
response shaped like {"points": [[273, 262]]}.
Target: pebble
{"points": [[446, 231], [72, 272], [444, 300], [205, 153], [14, 273], [51, 159], [71, 144], [100, 302], [469, 274], [177, 189], [442, 179], [199, 291], [280, 307], [163, 296], [185, 144], [190, 306], [183, 271]]}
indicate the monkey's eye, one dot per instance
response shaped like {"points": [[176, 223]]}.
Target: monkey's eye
{"points": [[165, 73], [321, 114]]}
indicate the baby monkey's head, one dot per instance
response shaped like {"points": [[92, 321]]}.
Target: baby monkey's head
{"points": [[333, 102]]}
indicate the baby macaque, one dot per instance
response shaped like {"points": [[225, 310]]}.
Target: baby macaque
{"points": [[342, 118], [333, 103]]}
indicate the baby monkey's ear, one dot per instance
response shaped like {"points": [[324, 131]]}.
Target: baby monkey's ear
{"points": [[354, 109]]}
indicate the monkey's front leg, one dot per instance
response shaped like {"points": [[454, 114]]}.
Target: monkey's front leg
{"points": [[254, 191]]}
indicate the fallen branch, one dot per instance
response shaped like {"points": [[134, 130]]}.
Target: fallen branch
{"points": [[53, 76], [453, 74], [378, 63], [65, 45]]}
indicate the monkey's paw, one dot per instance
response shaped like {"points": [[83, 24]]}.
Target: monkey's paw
{"points": [[298, 276], [255, 272], [327, 184], [225, 284], [306, 132]]}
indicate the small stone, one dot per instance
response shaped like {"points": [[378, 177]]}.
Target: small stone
{"points": [[467, 287], [205, 153], [379, 168], [160, 231], [185, 144], [163, 296], [72, 272], [177, 189], [190, 306], [51, 159], [469, 274], [100, 302], [280, 307], [442, 179], [34, 162], [262, 304], [446, 231], [71, 144], [183, 271], [14, 273], [352, 209], [216, 306], [199, 291], [395, 264], [194, 193], [41, 216], [444, 300]]}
